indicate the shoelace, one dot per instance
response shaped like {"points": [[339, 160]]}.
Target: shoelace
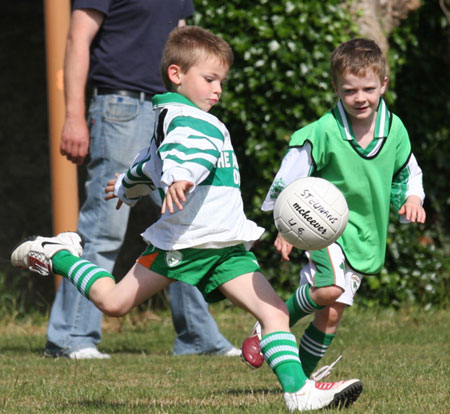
{"points": [[323, 372]]}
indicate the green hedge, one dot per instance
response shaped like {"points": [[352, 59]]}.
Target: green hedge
{"points": [[280, 81]]}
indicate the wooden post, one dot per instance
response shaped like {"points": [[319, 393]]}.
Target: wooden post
{"points": [[63, 172]]}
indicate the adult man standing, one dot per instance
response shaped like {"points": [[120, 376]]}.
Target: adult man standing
{"points": [[117, 46]]}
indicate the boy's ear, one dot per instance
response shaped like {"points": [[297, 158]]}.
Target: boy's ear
{"points": [[384, 85], [174, 74]]}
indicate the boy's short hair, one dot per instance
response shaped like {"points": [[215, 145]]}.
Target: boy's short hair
{"points": [[187, 44], [356, 56]]}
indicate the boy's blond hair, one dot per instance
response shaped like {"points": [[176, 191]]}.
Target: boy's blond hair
{"points": [[356, 57], [186, 45]]}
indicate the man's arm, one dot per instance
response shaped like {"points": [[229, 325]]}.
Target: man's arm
{"points": [[84, 25]]}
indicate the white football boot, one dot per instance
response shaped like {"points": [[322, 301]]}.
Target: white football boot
{"points": [[35, 253], [317, 395]]}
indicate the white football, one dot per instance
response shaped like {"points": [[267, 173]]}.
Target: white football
{"points": [[311, 213]]}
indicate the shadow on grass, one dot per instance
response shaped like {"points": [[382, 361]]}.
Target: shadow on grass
{"points": [[110, 406], [153, 403], [253, 391]]}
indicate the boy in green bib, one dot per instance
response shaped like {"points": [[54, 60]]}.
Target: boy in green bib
{"points": [[364, 149], [203, 235]]}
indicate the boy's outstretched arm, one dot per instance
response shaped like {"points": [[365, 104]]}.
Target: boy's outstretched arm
{"points": [[413, 210], [176, 194]]}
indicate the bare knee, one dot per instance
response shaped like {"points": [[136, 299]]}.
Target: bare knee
{"points": [[113, 308], [110, 300], [326, 295]]}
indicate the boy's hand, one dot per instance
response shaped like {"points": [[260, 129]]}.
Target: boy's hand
{"points": [[413, 210], [283, 247], [109, 190], [176, 194]]}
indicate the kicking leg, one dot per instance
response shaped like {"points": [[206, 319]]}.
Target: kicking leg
{"points": [[117, 299], [61, 255]]}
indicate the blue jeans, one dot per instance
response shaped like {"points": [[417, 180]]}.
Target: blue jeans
{"points": [[119, 127], [197, 332]]}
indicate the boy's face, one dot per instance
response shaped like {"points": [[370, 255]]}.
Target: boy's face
{"points": [[360, 95], [202, 83]]}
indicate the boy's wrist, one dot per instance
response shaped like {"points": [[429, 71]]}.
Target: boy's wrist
{"points": [[414, 200]]}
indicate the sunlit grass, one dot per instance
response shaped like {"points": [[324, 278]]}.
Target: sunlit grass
{"points": [[401, 357]]}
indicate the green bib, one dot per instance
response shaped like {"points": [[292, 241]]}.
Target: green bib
{"points": [[363, 175]]}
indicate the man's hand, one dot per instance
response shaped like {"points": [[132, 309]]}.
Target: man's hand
{"points": [[75, 140], [176, 195]]}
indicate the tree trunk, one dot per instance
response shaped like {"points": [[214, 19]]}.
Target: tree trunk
{"points": [[377, 18]]}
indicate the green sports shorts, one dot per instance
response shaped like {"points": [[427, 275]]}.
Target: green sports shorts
{"points": [[205, 268]]}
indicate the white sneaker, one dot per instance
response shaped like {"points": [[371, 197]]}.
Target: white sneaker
{"points": [[88, 353], [35, 253], [233, 352], [316, 395]]}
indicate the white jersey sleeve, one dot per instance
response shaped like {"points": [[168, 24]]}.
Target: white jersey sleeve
{"points": [[407, 183], [297, 163], [414, 182]]}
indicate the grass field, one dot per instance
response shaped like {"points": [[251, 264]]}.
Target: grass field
{"points": [[403, 359]]}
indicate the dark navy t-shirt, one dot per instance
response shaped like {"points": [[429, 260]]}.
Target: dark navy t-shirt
{"points": [[127, 50]]}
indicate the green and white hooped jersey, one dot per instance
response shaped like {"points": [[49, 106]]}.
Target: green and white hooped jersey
{"points": [[370, 178], [193, 145]]}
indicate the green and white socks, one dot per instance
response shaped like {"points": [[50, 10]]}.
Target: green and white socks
{"points": [[281, 353], [314, 343], [80, 272], [300, 304], [313, 346]]}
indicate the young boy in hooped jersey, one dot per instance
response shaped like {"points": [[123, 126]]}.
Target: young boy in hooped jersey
{"points": [[364, 149], [202, 235]]}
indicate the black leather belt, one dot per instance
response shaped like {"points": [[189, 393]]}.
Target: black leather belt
{"points": [[123, 92]]}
